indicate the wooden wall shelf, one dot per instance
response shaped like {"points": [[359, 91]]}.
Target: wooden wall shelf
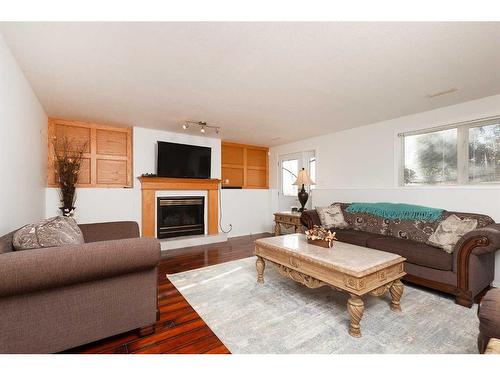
{"points": [[149, 186], [107, 161], [245, 166]]}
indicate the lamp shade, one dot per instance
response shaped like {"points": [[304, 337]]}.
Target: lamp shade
{"points": [[303, 179]]}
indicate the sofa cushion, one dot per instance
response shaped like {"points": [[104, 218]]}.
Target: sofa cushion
{"points": [[354, 237], [450, 230], [364, 222], [56, 231], [414, 252], [331, 216], [415, 230]]}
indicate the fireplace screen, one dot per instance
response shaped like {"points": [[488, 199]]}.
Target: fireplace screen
{"points": [[180, 216]]}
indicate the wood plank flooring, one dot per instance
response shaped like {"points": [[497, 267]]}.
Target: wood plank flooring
{"points": [[180, 329]]}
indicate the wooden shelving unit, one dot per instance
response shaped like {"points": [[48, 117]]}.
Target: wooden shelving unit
{"points": [[107, 160], [245, 166]]}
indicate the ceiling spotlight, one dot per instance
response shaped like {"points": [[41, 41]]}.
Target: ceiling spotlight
{"points": [[203, 126]]}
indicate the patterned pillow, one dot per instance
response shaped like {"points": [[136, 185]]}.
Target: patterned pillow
{"points": [[482, 220], [331, 217], [56, 231], [450, 230]]}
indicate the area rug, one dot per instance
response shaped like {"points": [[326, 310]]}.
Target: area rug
{"points": [[282, 316]]}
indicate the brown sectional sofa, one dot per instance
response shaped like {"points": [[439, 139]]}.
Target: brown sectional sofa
{"points": [[53, 299], [466, 273]]}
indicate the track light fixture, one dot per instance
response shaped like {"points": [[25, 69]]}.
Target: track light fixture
{"points": [[203, 126]]}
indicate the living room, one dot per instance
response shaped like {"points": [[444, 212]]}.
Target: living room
{"points": [[250, 187]]}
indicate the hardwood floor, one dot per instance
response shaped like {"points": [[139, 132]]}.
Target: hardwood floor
{"points": [[180, 329]]}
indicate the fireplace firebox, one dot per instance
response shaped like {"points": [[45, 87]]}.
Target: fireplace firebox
{"points": [[180, 216]]}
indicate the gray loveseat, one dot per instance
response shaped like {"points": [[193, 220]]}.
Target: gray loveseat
{"points": [[52, 299]]}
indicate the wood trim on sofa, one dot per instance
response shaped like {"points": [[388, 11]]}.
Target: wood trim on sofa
{"points": [[465, 297], [443, 287]]}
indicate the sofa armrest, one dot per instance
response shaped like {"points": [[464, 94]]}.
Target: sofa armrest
{"points": [[309, 218], [116, 230], [39, 269], [484, 240]]}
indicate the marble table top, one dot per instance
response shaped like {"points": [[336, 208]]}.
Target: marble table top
{"points": [[351, 259]]}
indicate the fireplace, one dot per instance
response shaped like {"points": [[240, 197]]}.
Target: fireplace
{"points": [[180, 216]]}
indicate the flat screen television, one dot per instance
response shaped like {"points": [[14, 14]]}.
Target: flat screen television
{"points": [[183, 161]]}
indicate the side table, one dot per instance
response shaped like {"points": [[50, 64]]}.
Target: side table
{"points": [[287, 219]]}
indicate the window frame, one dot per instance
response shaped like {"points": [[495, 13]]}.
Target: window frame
{"points": [[462, 151], [291, 157], [303, 158], [309, 161]]}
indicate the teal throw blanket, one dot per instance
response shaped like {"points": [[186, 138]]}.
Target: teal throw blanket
{"points": [[397, 211]]}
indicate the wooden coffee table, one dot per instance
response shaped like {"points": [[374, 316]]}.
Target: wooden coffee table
{"points": [[353, 269]]}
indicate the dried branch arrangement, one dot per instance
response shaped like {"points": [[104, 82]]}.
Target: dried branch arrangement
{"points": [[67, 164], [320, 236]]}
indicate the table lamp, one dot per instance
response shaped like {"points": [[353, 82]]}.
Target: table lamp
{"points": [[303, 179]]}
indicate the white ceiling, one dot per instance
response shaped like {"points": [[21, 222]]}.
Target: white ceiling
{"points": [[263, 83]]}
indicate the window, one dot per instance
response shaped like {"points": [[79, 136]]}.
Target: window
{"points": [[289, 172], [312, 170], [484, 153], [431, 158], [289, 166], [461, 154]]}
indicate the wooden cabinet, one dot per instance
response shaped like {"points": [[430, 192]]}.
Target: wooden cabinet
{"points": [[107, 161], [245, 166]]}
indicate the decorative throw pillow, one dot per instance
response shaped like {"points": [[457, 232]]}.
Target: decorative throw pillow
{"points": [[331, 217], [450, 230], [56, 231]]}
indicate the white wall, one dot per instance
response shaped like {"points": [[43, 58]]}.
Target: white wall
{"points": [[245, 209], [23, 147], [250, 211], [361, 164]]}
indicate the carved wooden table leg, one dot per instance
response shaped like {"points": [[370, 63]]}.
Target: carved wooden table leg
{"points": [[396, 291], [260, 265], [355, 307], [277, 229]]}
